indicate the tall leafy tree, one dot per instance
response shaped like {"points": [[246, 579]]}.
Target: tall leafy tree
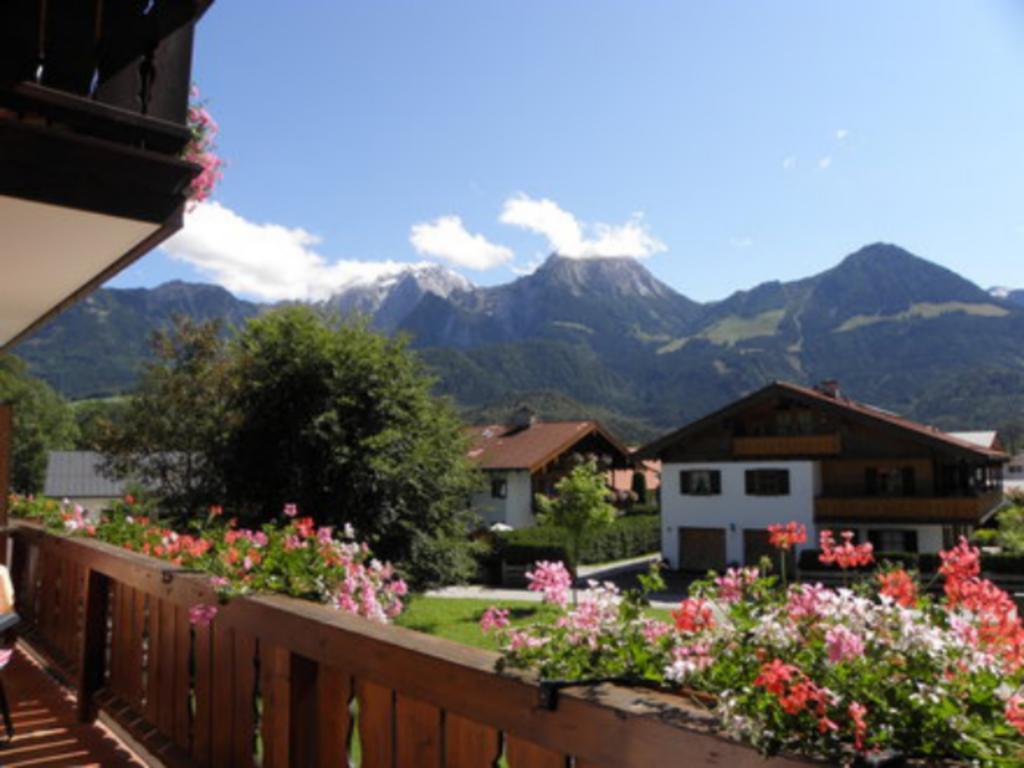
{"points": [[579, 507], [341, 421], [169, 435], [42, 422]]}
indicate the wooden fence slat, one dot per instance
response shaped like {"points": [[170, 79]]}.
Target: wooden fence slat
{"points": [[152, 660], [76, 622], [165, 669], [333, 693], [521, 753], [203, 691], [45, 595], [244, 727], [376, 724], [302, 710], [223, 686], [135, 687], [182, 652], [275, 683], [418, 733], [469, 744], [118, 662], [94, 637]]}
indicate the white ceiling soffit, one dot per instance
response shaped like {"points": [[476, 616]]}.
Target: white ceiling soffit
{"points": [[48, 252]]}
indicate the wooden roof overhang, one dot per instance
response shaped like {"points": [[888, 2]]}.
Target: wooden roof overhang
{"points": [[838, 406], [93, 121]]}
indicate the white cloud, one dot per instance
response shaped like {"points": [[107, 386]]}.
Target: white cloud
{"points": [[530, 267], [741, 242], [566, 235], [447, 238], [825, 162], [266, 261], [789, 163], [842, 133]]}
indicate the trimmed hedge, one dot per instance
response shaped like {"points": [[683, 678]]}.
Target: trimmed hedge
{"points": [[1004, 563], [627, 537]]}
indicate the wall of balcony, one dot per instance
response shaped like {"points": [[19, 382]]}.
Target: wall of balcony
{"points": [[789, 445], [277, 681], [907, 509]]}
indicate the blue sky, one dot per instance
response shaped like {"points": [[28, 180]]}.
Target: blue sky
{"points": [[725, 143]]}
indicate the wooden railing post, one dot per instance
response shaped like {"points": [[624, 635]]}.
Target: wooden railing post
{"points": [[6, 446], [91, 663]]}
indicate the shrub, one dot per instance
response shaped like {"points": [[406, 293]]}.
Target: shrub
{"points": [[626, 537], [985, 537]]}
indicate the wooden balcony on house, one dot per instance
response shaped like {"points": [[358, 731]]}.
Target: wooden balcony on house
{"points": [[94, 101], [937, 509], [277, 681], [786, 445]]}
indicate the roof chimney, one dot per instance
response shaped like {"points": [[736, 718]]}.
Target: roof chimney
{"points": [[523, 417], [829, 387]]}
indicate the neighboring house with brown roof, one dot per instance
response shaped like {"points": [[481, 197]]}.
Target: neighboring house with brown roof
{"points": [[525, 457], [788, 452]]}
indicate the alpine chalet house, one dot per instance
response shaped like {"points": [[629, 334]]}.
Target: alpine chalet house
{"points": [[526, 456], [788, 452]]}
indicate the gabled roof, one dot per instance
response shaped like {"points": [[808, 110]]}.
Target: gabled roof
{"points": [[838, 403], [985, 438], [76, 474], [504, 446]]}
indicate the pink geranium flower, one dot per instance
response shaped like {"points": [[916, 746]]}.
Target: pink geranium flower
{"points": [[551, 578], [202, 614], [494, 618]]}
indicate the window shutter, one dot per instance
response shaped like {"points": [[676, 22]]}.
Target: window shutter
{"points": [[716, 482]]}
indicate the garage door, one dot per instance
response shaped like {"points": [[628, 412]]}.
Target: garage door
{"points": [[756, 546], [702, 549]]}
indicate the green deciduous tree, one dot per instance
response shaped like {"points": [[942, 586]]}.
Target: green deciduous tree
{"points": [[341, 421], [42, 422], [580, 506], [169, 435]]}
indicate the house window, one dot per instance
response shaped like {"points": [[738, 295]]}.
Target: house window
{"points": [[700, 482], [893, 540], [767, 482], [499, 488], [889, 481]]}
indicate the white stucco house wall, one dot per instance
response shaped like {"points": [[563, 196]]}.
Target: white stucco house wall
{"points": [[733, 510]]}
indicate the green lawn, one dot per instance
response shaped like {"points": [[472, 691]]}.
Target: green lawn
{"points": [[458, 618]]}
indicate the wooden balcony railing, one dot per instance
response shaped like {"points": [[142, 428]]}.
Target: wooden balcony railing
{"points": [[134, 55], [789, 445], [938, 509], [276, 681]]}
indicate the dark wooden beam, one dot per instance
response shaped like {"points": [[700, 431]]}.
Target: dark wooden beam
{"points": [[72, 171], [6, 449]]}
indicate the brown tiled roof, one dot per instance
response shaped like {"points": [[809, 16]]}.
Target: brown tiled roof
{"points": [[841, 402], [502, 446]]}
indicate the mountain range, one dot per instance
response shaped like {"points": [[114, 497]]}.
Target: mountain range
{"points": [[605, 337]]}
